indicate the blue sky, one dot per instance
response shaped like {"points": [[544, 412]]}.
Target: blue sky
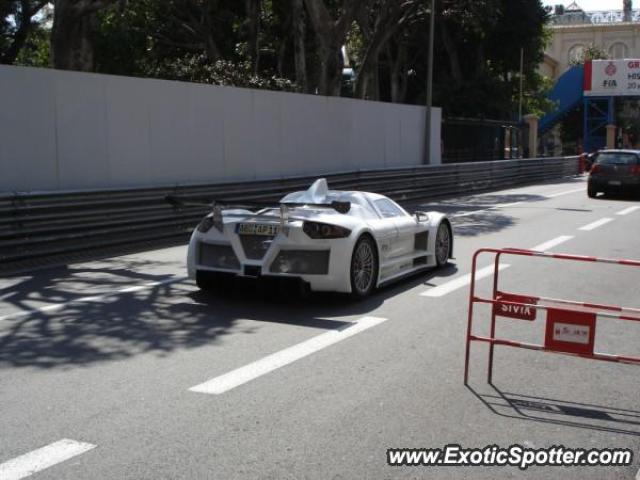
{"points": [[592, 4]]}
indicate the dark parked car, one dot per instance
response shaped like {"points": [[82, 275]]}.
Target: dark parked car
{"points": [[615, 171]]}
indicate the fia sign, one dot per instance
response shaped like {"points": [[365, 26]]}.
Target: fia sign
{"points": [[612, 78]]}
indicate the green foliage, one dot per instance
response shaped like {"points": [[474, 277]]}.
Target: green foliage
{"points": [[181, 40], [592, 52], [36, 51], [197, 68], [24, 31], [536, 100]]}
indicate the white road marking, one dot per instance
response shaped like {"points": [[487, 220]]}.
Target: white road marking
{"points": [[596, 224], [462, 281], [627, 211], [507, 205], [566, 192], [546, 246], [513, 204], [93, 298], [242, 375], [474, 212], [638, 475], [45, 457]]}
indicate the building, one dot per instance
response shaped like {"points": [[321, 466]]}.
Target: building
{"points": [[615, 32]]}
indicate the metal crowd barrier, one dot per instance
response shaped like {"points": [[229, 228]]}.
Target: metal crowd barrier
{"points": [[570, 326]]}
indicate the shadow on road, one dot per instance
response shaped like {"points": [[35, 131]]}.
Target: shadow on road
{"points": [[560, 412], [159, 319]]}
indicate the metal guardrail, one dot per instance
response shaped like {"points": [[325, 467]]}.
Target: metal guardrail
{"points": [[50, 227]]}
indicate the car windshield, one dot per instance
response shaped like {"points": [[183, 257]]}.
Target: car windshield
{"points": [[615, 158]]}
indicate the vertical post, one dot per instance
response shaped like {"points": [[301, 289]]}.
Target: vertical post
{"points": [[432, 25], [520, 139], [586, 135], [611, 136], [496, 270], [521, 84], [472, 294], [532, 140]]}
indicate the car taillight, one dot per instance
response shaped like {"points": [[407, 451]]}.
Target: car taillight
{"points": [[595, 169], [635, 170], [317, 230]]}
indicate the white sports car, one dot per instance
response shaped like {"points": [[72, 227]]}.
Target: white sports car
{"points": [[336, 241]]}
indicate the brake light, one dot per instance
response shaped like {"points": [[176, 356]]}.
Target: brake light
{"points": [[595, 168], [317, 230], [635, 170]]}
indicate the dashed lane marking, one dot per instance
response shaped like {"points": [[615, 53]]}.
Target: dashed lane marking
{"points": [[42, 458], [627, 211], [242, 375], [566, 192], [461, 282], [513, 204], [94, 298], [596, 224], [546, 246]]}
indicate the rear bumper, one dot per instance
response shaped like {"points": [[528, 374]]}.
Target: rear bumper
{"points": [[323, 265], [626, 185]]}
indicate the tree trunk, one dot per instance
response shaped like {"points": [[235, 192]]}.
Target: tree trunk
{"points": [[71, 37], [452, 54], [253, 9], [398, 77], [389, 19], [299, 35], [331, 36]]}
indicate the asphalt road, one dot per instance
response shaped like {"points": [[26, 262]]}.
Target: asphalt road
{"points": [[114, 356]]}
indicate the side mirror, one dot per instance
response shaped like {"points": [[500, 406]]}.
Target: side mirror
{"points": [[421, 217]]}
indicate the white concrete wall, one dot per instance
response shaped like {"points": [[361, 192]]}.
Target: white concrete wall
{"points": [[68, 130]]}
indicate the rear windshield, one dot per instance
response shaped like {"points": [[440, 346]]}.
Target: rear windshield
{"points": [[617, 158]]}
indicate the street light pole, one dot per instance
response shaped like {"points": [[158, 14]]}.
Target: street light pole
{"points": [[521, 81], [432, 24]]}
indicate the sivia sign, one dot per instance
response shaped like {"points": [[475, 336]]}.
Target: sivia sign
{"points": [[606, 78], [511, 310]]}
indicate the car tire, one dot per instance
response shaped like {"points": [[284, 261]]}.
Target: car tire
{"points": [[591, 192], [443, 245], [364, 267]]}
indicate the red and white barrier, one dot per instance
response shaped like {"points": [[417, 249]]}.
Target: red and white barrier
{"points": [[570, 325]]}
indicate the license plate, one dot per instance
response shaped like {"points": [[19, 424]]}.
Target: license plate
{"points": [[257, 229], [615, 182]]}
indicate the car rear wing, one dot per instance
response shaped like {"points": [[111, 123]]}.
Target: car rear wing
{"points": [[176, 201], [284, 207]]}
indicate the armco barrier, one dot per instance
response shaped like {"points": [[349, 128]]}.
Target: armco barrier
{"points": [[45, 227], [570, 325]]}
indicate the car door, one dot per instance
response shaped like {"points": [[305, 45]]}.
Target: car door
{"points": [[405, 224]]}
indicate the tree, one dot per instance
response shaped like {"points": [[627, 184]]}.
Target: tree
{"points": [[331, 35], [191, 40], [592, 52], [16, 25], [298, 44], [72, 37], [378, 24]]}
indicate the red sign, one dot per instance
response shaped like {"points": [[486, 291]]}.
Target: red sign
{"points": [[520, 312], [570, 332]]}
